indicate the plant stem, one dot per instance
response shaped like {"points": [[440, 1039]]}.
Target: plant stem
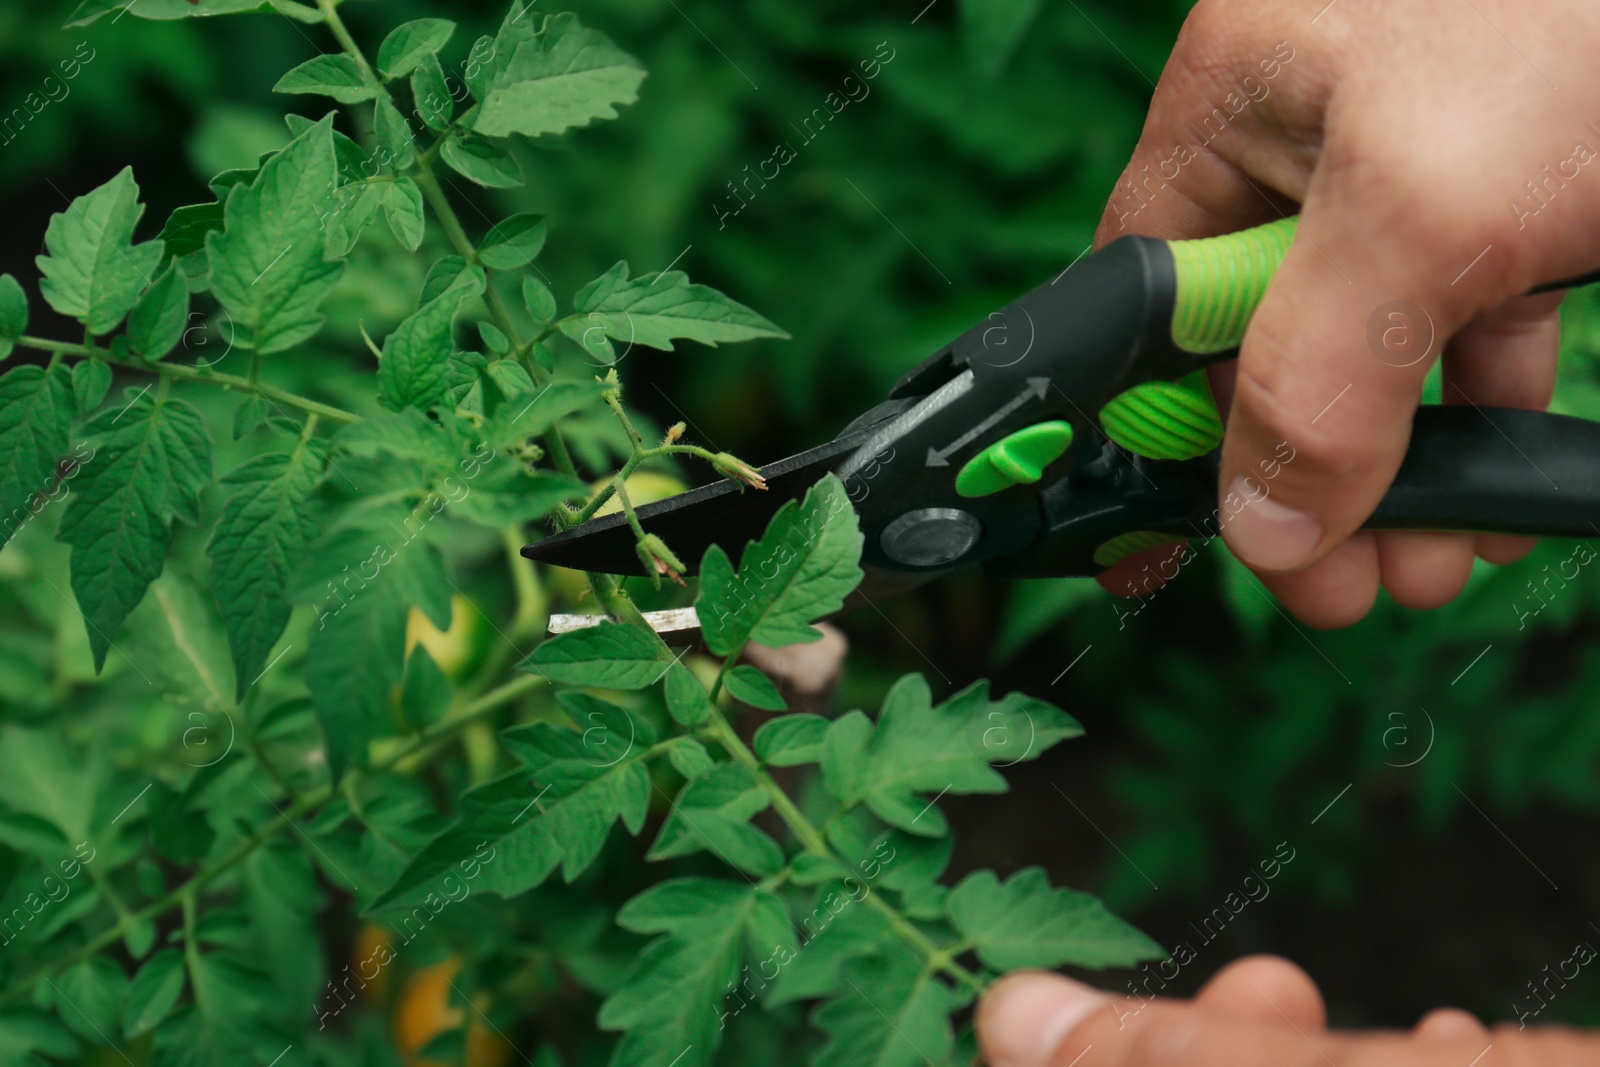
{"points": [[185, 373], [812, 839], [307, 804]]}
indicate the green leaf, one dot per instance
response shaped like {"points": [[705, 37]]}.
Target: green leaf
{"points": [[892, 1013], [186, 229], [676, 999], [251, 413], [332, 75], [93, 272], [402, 208], [267, 265], [393, 135], [166, 10], [409, 43], [426, 693], [922, 747], [611, 655], [712, 813], [538, 299], [562, 76], [36, 407], [747, 684], [260, 538], [151, 461], [364, 576], [1023, 922], [514, 243], [790, 740], [690, 759], [837, 930], [412, 372], [89, 998], [556, 811], [154, 991], [431, 94], [13, 313], [687, 700], [27, 1030], [91, 381], [801, 569], [480, 160], [157, 323], [655, 309]]}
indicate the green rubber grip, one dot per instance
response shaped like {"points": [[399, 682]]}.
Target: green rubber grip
{"points": [[1122, 546], [1221, 281], [1165, 420]]}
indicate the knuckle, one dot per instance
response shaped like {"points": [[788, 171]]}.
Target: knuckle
{"points": [[1284, 412], [1165, 1041]]}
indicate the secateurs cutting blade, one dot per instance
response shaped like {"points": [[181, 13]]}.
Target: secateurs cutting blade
{"points": [[1072, 428]]}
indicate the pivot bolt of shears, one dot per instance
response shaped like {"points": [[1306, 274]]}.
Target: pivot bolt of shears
{"points": [[930, 537]]}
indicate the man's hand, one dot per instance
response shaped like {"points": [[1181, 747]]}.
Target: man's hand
{"points": [[1258, 1012], [1446, 158]]}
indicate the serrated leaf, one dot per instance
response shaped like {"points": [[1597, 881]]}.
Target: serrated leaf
{"points": [[409, 43], [712, 813], [13, 313], [922, 747], [480, 160], [28, 1030], [1023, 922], [790, 740], [431, 94], [413, 369], [93, 272], [259, 540], [267, 266], [153, 992], [656, 309], [562, 76], [611, 655], [554, 812], [748, 685], [675, 1001], [836, 930], [151, 461], [157, 322], [687, 700], [36, 407], [355, 205], [402, 208], [91, 381], [892, 1013], [801, 569], [514, 243], [334, 75]]}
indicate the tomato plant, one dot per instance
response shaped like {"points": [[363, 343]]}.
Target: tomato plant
{"points": [[298, 696]]}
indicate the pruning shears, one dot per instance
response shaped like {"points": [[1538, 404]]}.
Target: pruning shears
{"points": [[1073, 428]]}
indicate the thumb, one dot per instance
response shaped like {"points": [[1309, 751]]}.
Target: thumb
{"points": [[1332, 368], [1032, 1019]]}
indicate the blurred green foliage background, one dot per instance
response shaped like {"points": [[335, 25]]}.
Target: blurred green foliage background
{"points": [[1435, 774]]}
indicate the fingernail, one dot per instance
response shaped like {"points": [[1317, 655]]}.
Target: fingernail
{"points": [[1027, 1016], [1265, 534]]}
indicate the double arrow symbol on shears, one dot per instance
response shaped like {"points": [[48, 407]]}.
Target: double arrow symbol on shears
{"points": [[1034, 390]]}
